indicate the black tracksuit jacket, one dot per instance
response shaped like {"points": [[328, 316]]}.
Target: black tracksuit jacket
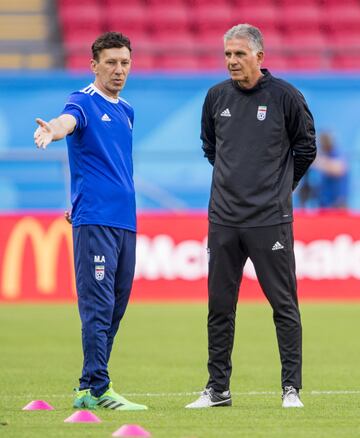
{"points": [[260, 141]]}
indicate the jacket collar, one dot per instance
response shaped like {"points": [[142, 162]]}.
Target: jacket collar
{"points": [[261, 83]]}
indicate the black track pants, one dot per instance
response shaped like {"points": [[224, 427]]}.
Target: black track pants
{"points": [[271, 251]]}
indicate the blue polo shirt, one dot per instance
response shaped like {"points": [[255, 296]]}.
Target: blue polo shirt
{"points": [[100, 158]]}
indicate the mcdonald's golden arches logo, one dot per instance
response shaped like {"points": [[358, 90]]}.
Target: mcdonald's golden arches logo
{"points": [[46, 250]]}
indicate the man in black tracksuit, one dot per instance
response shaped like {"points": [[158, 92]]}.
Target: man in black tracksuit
{"points": [[258, 133]]}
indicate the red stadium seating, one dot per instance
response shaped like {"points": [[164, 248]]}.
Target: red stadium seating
{"points": [[126, 18], [179, 41], [80, 3], [308, 62], [273, 41], [143, 62], [342, 19], [79, 17], [169, 20], [152, 3], [303, 19], [349, 62], [307, 42], [264, 17], [178, 62], [78, 62], [253, 3], [276, 62], [345, 42], [80, 42], [328, 3], [208, 3], [188, 34], [211, 62], [284, 3]]}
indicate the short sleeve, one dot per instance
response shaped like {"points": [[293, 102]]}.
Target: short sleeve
{"points": [[74, 106]]}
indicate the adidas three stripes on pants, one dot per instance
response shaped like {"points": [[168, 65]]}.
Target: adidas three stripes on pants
{"points": [[271, 251]]}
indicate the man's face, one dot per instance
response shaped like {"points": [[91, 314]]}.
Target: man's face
{"points": [[242, 63], [111, 70]]}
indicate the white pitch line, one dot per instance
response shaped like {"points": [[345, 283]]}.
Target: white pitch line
{"points": [[334, 392], [185, 394]]}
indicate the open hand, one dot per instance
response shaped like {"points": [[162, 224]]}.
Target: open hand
{"points": [[43, 134]]}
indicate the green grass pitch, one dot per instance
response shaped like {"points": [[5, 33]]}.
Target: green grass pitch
{"points": [[159, 359]]}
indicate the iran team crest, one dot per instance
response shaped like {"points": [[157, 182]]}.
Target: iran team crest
{"points": [[99, 272], [261, 113]]}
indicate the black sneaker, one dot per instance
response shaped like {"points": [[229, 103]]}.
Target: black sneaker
{"points": [[211, 399]]}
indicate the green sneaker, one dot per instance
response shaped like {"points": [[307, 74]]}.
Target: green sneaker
{"points": [[81, 398], [111, 400]]}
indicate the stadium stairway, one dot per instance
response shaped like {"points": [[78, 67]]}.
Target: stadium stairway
{"points": [[29, 35]]}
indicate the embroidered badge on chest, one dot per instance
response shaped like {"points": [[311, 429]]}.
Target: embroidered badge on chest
{"points": [[261, 113], [99, 272]]}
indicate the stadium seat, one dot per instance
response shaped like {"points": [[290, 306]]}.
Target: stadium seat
{"points": [[76, 42], [211, 62], [309, 42], [264, 17], [350, 62], [273, 41], [123, 19], [178, 62], [307, 62], [79, 3], [168, 20], [141, 41], [78, 62], [210, 43], [143, 61], [120, 4], [23, 26], [22, 6], [78, 17], [216, 19], [284, 3], [336, 3], [345, 42], [166, 2], [275, 62], [177, 42], [11, 61], [209, 3], [295, 19], [342, 19], [253, 3]]}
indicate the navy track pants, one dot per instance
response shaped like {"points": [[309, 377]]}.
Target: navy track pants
{"points": [[104, 269]]}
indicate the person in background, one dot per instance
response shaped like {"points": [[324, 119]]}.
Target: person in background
{"points": [[259, 135], [97, 124], [332, 187]]}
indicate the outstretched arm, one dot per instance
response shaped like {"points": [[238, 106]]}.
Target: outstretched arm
{"points": [[55, 129]]}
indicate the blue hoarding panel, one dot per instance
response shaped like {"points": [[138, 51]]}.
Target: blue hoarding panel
{"points": [[170, 170]]}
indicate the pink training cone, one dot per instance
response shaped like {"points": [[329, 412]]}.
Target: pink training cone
{"points": [[82, 417], [131, 430], [38, 405]]}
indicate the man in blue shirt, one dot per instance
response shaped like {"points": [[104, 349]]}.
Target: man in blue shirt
{"points": [[97, 124], [332, 174]]}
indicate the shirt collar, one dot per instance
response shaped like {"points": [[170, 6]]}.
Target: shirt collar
{"points": [[108, 98]]}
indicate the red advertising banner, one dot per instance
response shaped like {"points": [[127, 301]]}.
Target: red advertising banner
{"points": [[36, 262]]}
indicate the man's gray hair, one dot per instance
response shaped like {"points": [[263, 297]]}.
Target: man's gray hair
{"points": [[251, 33]]}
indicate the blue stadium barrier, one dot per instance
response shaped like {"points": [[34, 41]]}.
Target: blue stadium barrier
{"points": [[170, 171]]}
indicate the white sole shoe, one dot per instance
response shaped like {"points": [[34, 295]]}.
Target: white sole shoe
{"points": [[210, 399]]}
